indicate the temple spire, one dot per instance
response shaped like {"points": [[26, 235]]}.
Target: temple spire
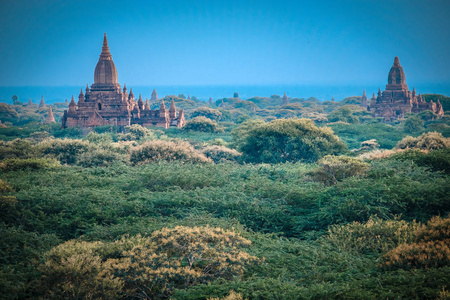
{"points": [[364, 93], [105, 49], [50, 117], [42, 103]]}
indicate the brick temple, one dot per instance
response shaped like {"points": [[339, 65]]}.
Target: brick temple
{"points": [[397, 100], [106, 103]]}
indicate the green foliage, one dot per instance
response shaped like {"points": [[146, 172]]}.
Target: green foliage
{"points": [[144, 267], [437, 160], [290, 140], [14, 164], [240, 133], [413, 124], [207, 112], [345, 114], [221, 154], [136, 132], [426, 141], [353, 134], [376, 235], [202, 124], [154, 151], [65, 151], [337, 168], [99, 138]]}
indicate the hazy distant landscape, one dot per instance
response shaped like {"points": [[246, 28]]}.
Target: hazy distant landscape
{"points": [[54, 94]]}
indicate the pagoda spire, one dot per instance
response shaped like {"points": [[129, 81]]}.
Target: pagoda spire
{"points": [[105, 49], [50, 117], [42, 103], [87, 88], [172, 110], [285, 99], [147, 105], [364, 93]]}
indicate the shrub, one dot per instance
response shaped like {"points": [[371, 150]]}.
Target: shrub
{"points": [[437, 160], [221, 154], [99, 138], [336, 168], [210, 113], [202, 124], [154, 151], [430, 250], [100, 158], [376, 235], [17, 148], [413, 124], [14, 164], [426, 141], [136, 132], [147, 268], [289, 141], [66, 151]]}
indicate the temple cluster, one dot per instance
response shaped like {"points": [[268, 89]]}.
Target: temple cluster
{"points": [[106, 103], [397, 99]]}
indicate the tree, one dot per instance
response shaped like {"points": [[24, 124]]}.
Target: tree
{"points": [[15, 100], [430, 250], [145, 268], [210, 113], [413, 124], [290, 140], [202, 124]]}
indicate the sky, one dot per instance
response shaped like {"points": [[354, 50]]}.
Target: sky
{"points": [[57, 43]]}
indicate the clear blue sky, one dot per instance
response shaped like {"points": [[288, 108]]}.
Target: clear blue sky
{"points": [[224, 42]]}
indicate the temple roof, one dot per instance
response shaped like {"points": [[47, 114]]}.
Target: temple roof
{"points": [[396, 77], [105, 71]]}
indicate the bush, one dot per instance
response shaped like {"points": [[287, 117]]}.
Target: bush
{"points": [[289, 140], [143, 267], [14, 164], [376, 235], [413, 124], [210, 113], [66, 151], [100, 158], [136, 132], [99, 138], [202, 124], [437, 160], [336, 168], [221, 154], [154, 151], [430, 250], [426, 141], [17, 148]]}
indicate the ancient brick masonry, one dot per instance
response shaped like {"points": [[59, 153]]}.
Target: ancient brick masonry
{"points": [[397, 99], [106, 103]]}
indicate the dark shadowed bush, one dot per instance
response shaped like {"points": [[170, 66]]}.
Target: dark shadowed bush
{"points": [[289, 141]]}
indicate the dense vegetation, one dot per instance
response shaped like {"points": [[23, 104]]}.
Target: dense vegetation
{"points": [[241, 204]]}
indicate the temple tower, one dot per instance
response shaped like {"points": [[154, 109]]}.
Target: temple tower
{"points": [[42, 103], [364, 99], [154, 95], [50, 117], [285, 99]]}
